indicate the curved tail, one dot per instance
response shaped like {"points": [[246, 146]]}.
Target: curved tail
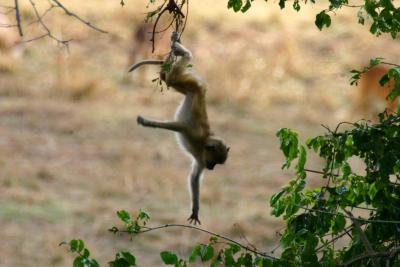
{"points": [[145, 62]]}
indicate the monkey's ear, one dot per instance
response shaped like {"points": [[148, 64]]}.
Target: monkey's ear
{"points": [[227, 149]]}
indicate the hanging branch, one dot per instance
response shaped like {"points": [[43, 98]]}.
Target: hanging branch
{"points": [[177, 16]]}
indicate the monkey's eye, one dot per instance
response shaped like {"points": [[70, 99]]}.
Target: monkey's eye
{"points": [[209, 147]]}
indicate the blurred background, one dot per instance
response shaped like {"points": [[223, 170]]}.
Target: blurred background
{"points": [[71, 153]]}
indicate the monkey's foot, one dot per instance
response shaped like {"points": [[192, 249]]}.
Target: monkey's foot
{"points": [[194, 219]]}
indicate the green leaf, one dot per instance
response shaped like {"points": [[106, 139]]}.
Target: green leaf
{"points": [[169, 258], [289, 145], [302, 161], [235, 248], [195, 252], [128, 257], [322, 19], [78, 262], [120, 262], [296, 5], [86, 253], [246, 6], [372, 191], [206, 252], [282, 4], [81, 245], [375, 61], [339, 223], [228, 258], [235, 5], [73, 245], [94, 263], [124, 216]]}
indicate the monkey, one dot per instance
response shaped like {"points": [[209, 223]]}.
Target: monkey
{"points": [[191, 122]]}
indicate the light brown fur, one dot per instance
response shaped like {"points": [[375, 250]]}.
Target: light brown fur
{"points": [[372, 97], [191, 122]]}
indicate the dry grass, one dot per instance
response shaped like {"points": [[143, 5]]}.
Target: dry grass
{"points": [[72, 154]]}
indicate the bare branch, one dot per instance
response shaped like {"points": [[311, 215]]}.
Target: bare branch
{"points": [[18, 18], [46, 29], [346, 232], [69, 13], [346, 216], [43, 15], [363, 237], [390, 254]]}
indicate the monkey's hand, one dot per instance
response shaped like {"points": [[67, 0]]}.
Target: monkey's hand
{"points": [[194, 219]]}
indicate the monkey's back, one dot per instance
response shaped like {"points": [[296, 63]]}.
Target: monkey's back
{"points": [[192, 113]]}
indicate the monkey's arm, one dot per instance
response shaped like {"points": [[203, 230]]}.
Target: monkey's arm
{"points": [[168, 125], [145, 62], [195, 177]]}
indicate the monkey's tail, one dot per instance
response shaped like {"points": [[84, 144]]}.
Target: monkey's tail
{"points": [[145, 62]]}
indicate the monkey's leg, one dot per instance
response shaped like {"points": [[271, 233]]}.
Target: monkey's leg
{"points": [[169, 125], [195, 177]]}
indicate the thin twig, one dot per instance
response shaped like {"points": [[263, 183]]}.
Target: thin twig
{"points": [[346, 231], [320, 172], [390, 64], [69, 13], [149, 229], [43, 14], [346, 216], [363, 237], [36, 38], [243, 236], [390, 254], [18, 18], [2, 25], [47, 30]]}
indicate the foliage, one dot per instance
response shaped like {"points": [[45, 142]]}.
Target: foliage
{"points": [[220, 251], [318, 218], [383, 14], [82, 259], [392, 74]]}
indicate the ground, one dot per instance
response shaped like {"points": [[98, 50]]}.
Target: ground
{"points": [[71, 153]]}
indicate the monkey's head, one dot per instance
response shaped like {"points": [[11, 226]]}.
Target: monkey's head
{"points": [[215, 152]]}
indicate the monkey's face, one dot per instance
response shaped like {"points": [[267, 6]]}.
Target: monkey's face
{"points": [[215, 152]]}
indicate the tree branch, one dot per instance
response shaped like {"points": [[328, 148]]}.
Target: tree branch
{"points": [[69, 13], [149, 229], [46, 29], [18, 18], [390, 254], [363, 237]]}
